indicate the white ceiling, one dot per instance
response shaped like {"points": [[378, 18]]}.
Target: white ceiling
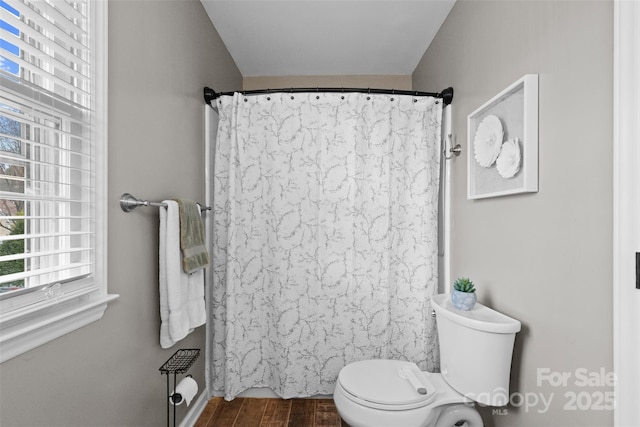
{"points": [[327, 37]]}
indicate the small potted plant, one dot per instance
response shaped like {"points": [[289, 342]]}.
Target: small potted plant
{"points": [[464, 294]]}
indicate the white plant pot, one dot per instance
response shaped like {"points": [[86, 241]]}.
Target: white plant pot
{"points": [[463, 300]]}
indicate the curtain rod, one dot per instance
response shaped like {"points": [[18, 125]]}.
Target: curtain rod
{"points": [[446, 94]]}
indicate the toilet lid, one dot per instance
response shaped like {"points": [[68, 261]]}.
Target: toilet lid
{"points": [[385, 382]]}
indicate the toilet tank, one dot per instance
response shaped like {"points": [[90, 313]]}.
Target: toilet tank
{"points": [[475, 350]]}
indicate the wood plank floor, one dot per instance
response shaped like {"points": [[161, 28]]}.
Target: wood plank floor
{"points": [[258, 412]]}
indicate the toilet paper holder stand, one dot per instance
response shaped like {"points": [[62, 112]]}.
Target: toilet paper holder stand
{"points": [[178, 363]]}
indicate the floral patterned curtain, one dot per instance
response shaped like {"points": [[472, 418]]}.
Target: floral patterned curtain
{"points": [[325, 237]]}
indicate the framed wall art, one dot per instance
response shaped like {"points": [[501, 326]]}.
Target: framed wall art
{"points": [[502, 138]]}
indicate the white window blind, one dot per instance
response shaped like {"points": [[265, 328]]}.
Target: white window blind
{"points": [[52, 165], [47, 163]]}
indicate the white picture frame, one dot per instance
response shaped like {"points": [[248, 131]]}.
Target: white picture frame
{"points": [[517, 108]]}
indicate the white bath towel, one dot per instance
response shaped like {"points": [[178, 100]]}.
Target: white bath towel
{"points": [[182, 305]]}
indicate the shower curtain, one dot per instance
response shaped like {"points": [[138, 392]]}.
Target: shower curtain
{"points": [[324, 237]]}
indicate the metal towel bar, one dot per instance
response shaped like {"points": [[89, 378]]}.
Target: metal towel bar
{"points": [[129, 203]]}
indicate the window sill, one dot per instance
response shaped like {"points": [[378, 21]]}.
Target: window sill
{"points": [[26, 329]]}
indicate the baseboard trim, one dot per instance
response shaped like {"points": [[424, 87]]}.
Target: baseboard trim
{"points": [[196, 410]]}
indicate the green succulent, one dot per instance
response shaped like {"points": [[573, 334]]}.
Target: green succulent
{"points": [[463, 284]]}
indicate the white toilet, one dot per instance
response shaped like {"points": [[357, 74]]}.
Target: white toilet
{"points": [[475, 358]]}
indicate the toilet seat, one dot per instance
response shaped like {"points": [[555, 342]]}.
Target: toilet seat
{"points": [[383, 384]]}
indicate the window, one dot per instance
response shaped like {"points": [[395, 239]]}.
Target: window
{"points": [[52, 169]]}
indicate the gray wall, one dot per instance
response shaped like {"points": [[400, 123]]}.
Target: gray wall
{"points": [[161, 54], [380, 82], [545, 258]]}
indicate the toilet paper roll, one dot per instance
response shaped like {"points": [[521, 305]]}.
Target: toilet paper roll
{"points": [[185, 391]]}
